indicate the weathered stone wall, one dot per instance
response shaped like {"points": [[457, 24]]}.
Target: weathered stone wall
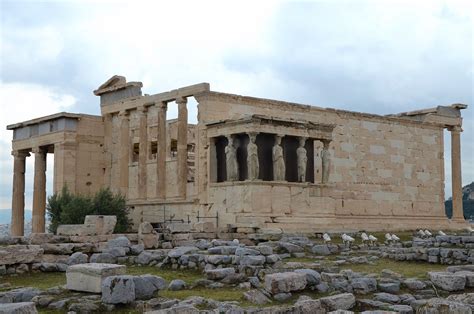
{"points": [[113, 153], [385, 172], [89, 158]]}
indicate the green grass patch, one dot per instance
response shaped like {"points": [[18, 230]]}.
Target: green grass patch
{"points": [[41, 281], [188, 276], [407, 269], [221, 294], [44, 281], [305, 259]]}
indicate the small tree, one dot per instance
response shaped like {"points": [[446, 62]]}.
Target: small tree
{"points": [[67, 208]]}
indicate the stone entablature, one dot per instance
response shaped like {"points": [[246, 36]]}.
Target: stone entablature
{"points": [[265, 124]]}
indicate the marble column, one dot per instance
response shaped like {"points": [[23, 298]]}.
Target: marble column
{"points": [[325, 161], [142, 156], [108, 149], [182, 146], [18, 200], [124, 151], [456, 179], [161, 151], [39, 191]]}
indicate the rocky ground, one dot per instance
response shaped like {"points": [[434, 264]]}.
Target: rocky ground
{"points": [[275, 274]]}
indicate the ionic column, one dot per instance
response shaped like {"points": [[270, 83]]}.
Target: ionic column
{"points": [[325, 161], [161, 153], [18, 200], [39, 192], [456, 179], [124, 151], [142, 157], [108, 149], [182, 146]]}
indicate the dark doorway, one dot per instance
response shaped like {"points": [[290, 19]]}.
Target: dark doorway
{"points": [[242, 140], [290, 144], [221, 143], [265, 144]]}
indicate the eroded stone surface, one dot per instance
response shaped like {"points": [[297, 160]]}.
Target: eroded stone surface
{"points": [[89, 277], [285, 282]]}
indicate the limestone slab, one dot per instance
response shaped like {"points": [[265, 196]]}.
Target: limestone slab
{"points": [[89, 277]]}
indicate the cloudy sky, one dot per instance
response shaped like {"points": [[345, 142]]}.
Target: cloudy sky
{"points": [[372, 56]]}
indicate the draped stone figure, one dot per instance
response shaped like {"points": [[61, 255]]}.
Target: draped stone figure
{"points": [[325, 160], [252, 157], [278, 161], [232, 166], [302, 160]]}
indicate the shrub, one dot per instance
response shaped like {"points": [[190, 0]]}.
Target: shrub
{"points": [[67, 208]]}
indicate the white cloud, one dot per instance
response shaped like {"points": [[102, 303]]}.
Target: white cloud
{"points": [[20, 102]]}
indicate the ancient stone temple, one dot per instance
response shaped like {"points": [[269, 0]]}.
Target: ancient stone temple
{"points": [[248, 162]]}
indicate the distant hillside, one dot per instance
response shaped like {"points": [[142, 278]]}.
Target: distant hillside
{"points": [[6, 214], [467, 202]]}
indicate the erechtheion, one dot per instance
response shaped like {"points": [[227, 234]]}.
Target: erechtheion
{"points": [[247, 162]]}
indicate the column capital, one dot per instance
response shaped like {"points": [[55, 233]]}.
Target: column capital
{"points": [[142, 109], [21, 154], [326, 143], [124, 113], [455, 129], [181, 100], [162, 105], [149, 104], [38, 150]]}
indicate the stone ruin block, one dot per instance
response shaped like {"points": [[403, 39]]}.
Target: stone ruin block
{"points": [[204, 226], [93, 225], [178, 227], [89, 277], [20, 254]]}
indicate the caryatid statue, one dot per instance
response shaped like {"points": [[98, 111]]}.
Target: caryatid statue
{"points": [[232, 166], [278, 161], [252, 157], [325, 160], [302, 159]]}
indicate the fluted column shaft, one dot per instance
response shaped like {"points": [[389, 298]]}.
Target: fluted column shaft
{"points": [[39, 192], [124, 151], [18, 200], [108, 149], [456, 179], [161, 153], [142, 157], [182, 146]]}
